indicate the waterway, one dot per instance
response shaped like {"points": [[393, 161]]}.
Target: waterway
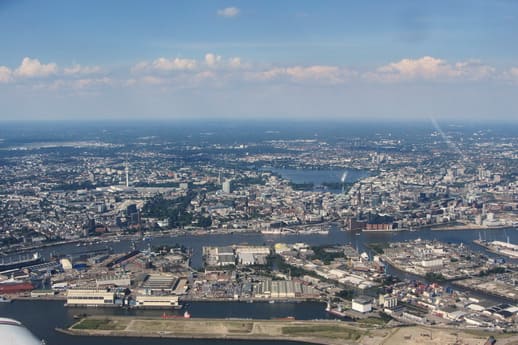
{"points": [[336, 236], [42, 317], [319, 177]]}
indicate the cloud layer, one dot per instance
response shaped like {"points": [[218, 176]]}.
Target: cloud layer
{"points": [[430, 68], [213, 69]]}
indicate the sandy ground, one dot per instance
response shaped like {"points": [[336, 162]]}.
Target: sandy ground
{"points": [[431, 336]]}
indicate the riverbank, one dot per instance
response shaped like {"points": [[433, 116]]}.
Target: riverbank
{"points": [[325, 332], [314, 331], [462, 226]]}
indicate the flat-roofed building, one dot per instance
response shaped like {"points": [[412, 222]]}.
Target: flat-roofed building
{"points": [[388, 301], [283, 289], [363, 304], [146, 301], [42, 293], [114, 280], [159, 284], [90, 297]]}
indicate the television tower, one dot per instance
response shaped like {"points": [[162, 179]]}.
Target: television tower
{"points": [[127, 173]]}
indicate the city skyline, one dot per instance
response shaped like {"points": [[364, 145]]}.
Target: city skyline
{"points": [[294, 60]]}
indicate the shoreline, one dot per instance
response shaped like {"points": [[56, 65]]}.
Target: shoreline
{"points": [[203, 232], [322, 332]]}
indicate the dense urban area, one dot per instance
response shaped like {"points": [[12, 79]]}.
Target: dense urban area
{"points": [[93, 194]]}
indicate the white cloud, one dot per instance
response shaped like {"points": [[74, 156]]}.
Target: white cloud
{"points": [[152, 80], [174, 64], [511, 74], [329, 74], [204, 75], [5, 74], [34, 68], [228, 12], [91, 82], [430, 68], [212, 59], [235, 62], [164, 64], [474, 70], [78, 69]]}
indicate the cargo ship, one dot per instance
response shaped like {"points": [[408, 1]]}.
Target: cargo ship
{"points": [[185, 315], [15, 286], [22, 260]]}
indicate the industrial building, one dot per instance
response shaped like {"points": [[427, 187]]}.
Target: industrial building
{"points": [[388, 301], [94, 297], [219, 256], [146, 301], [362, 304], [114, 280], [283, 289], [252, 255], [158, 284]]}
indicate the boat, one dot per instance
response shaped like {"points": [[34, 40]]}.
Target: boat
{"points": [[287, 318], [185, 315], [5, 300], [14, 286]]}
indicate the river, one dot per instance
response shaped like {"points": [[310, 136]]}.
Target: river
{"points": [[335, 236], [42, 317], [319, 177]]}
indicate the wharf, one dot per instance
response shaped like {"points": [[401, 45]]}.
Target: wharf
{"points": [[497, 249]]}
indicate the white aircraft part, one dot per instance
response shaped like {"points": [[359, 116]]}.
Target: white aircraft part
{"points": [[12, 332]]}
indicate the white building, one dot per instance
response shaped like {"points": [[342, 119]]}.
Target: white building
{"points": [[388, 301], [362, 304], [432, 263], [93, 297], [156, 301]]}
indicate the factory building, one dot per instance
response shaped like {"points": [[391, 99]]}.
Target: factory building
{"points": [[432, 263], [158, 284], [362, 304], [93, 297], [114, 280], [283, 289], [388, 301], [145, 301], [252, 255]]}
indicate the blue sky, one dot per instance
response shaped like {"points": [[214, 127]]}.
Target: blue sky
{"points": [[259, 59]]}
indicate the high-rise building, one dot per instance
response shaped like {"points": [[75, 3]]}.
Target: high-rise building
{"points": [[227, 186]]}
